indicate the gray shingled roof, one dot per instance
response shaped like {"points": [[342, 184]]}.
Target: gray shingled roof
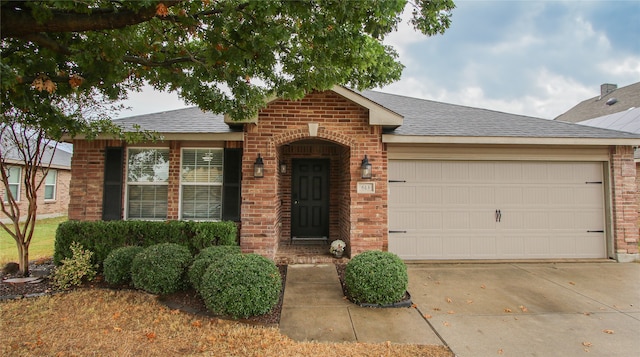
{"points": [[421, 118], [627, 97], [188, 121], [628, 120], [429, 118], [61, 156]]}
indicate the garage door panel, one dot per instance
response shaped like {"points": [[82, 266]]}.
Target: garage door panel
{"points": [[509, 196], [448, 210], [429, 195], [403, 196], [482, 196], [455, 195], [455, 220], [455, 172]]}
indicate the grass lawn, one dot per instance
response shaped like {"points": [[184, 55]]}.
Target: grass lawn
{"points": [[98, 322], [41, 245]]}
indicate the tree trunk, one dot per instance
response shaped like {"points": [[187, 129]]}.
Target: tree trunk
{"points": [[23, 259]]}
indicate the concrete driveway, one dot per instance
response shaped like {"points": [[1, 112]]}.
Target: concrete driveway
{"points": [[530, 309]]}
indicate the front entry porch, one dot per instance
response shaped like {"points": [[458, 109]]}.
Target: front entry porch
{"points": [[308, 252]]}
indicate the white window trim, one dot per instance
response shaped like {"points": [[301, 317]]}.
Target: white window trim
{"points": [[198, 183], [127, 184], [55, 186], [19, 184]]}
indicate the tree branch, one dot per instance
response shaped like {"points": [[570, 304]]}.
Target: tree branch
{"points": [[18, 22]]}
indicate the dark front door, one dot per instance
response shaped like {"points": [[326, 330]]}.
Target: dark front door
{"points": [[310, 199]]}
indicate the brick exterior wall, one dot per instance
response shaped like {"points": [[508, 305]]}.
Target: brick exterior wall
{"points": [[624, 200], [344, 136], [49, 208], [87, 171]]}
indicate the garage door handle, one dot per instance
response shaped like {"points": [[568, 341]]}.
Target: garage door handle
{"points": [[397, 231], [498, 215], [595, 231]]}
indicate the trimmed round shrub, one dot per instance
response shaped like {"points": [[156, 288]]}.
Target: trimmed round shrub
{"points": [[205, 258], [117, 265], [241, 285], [376, 277], [161, 268]]}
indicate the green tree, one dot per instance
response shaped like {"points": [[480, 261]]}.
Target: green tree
{"points": [[222, 55]]}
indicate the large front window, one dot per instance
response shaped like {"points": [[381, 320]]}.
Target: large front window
{"points": [[201, 184], [147, 182]]}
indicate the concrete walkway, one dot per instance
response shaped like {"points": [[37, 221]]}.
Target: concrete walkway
{"points": [[314, 309], [535, 309]]}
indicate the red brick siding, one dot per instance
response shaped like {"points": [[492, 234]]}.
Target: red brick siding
{"points": [[624, 200], [359, 219], [87, 175]]}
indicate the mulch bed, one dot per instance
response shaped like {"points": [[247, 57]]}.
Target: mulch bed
{"points": [[187, 301]]}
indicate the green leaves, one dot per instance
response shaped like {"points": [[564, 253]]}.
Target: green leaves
{"points": [[224, 56]]}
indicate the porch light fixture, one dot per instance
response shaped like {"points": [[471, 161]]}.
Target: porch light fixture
{"points": [[283, 167], [366, 168], [258, 168]]}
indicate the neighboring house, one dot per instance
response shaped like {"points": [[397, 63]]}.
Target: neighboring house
{"points": [[446, 181], [611, 100], [629, 121], [53, 196]]}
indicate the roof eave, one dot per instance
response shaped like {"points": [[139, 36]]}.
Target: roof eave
{"points": [[230, 136], [415, 139]]}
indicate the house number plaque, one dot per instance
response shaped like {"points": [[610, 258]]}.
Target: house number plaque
{"points": [[366, 187]]}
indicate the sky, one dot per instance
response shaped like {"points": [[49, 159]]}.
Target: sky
{"points": [[535, 58]]}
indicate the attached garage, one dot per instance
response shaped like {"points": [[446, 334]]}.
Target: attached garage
{"points": [[441, 209]]}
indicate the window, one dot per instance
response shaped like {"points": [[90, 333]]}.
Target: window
{"points": [[147, 181], [201, 184], [15, 174], [50, 185]]}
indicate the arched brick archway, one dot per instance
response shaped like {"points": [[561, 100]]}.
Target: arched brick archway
{"points": [[323, 125]]}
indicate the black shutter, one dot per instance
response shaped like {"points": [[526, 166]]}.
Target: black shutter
{"points": [[232, 176], [112, 193]]}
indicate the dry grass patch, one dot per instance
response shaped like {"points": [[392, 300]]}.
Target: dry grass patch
{"points": [[127, 323]]}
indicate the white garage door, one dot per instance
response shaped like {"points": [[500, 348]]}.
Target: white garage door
{"points": [[496, 209]]}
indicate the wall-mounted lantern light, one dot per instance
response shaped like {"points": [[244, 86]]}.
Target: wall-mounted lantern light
{"points": [[283, 167], [366, 168], [258, 168]]}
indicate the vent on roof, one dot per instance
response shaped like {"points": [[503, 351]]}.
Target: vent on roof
{"points": [[611, 101], [607, 88]]}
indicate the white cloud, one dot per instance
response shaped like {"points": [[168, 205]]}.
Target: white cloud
{"points": [[150, 100], [626, 67]]}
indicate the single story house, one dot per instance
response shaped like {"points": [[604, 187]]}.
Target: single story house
{"points": [[423, 179], [53, 196]]}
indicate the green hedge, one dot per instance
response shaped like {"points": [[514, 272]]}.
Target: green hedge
{"points": [[117, 266], [101, 237], [161, 268], [376, 277], [241, 285]]}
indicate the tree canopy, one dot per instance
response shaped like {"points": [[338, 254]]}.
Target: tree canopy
{"points": [[222, 55]]}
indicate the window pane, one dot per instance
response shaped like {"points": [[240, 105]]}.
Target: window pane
{"points": [[202, 165], [15, 174], [148, 165], [147, 201], [49, 192], [202, 202], [50, 185], [51, 177]]}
